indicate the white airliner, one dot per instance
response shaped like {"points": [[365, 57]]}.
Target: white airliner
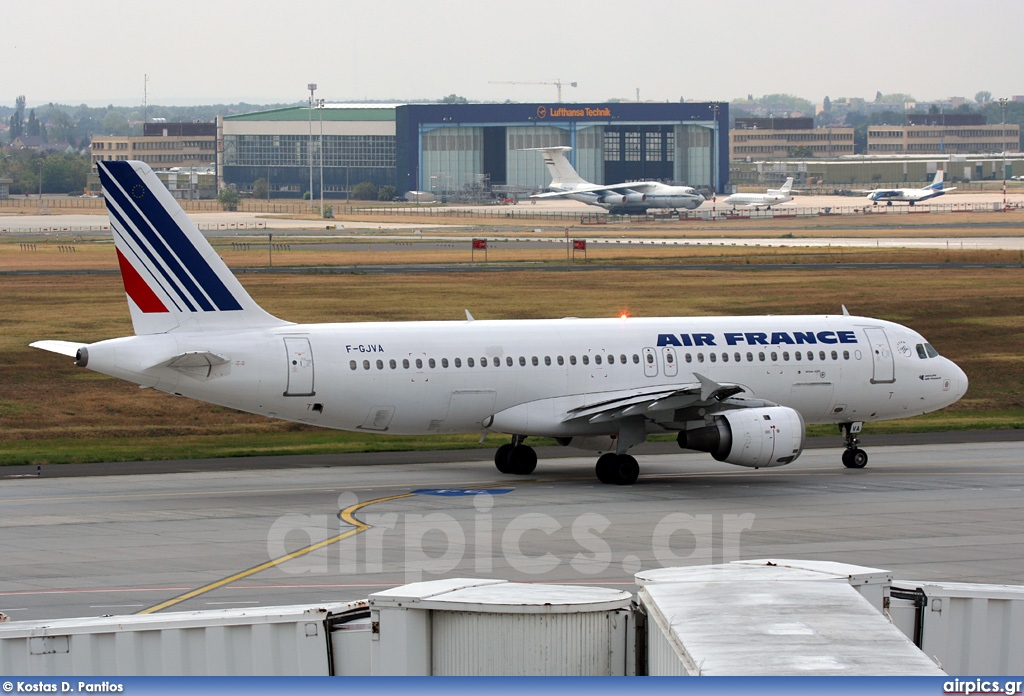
{"points": [[740, 387], [768, 199], [911, 196], [634, 197]]}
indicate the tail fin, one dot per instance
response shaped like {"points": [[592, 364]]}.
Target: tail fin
{"points": [[937, 181], [786, 187], [172, 276], [563, 175]]}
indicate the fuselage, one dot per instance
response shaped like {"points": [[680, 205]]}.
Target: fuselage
{"points": [[447, 377], [757, 199], [646, 195]]}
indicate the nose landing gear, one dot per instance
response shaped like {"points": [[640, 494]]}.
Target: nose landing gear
{"points": [[854, 457]]}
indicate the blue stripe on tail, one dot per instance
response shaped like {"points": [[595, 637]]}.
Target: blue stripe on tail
{"points": [[167, 238]]}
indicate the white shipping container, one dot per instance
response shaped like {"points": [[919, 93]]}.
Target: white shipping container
{"points": [[967, 628], [749, 620], [493, 627], [279, 641]]}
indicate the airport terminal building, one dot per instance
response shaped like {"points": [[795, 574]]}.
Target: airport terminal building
{"points": [[471, 151]]}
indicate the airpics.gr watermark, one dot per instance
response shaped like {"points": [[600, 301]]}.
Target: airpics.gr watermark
{"points": [[437, 543]]}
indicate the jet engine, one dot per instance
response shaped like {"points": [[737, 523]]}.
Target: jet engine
{"points": [[612, 198], [633, 198], [755, 437]]}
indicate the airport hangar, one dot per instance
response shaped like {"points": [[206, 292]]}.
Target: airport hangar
{"points": [[470, 150]]}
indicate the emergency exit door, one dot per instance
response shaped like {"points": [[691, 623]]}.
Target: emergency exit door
{"points": [[300, 367]]}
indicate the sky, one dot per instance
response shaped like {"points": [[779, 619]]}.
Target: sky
{"points": [[191, 52]]}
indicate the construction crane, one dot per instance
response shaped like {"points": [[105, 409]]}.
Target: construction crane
{"points": [[557, 83]]}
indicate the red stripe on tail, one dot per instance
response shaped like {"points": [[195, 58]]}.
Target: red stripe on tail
{"points": [[142, 295]]}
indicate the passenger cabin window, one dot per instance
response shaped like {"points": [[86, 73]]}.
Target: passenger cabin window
{"points": [[636, 359], [572, 359], [458, 362], [419, 364], [622, 358], [380, 364], [586, 359], [522, 361], [444, 363], [392, 364], [366, 364], [508, 361], [713, 356], [405, 363], [700, 357], [483, 362], [561, 360], [469, 362], [597, 359], [535, 361], [432, 363], [352, 364], [547, 360]]}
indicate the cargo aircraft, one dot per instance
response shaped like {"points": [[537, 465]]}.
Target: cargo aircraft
{"points": [[634, 197], [910, 196], [767, 199], [738, 387]]}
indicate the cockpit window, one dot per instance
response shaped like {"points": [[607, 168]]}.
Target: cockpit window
{"points": [[920, 351], [932, 353]]}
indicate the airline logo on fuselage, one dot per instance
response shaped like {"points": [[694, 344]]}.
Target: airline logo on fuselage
{"points": [[758, 338]]}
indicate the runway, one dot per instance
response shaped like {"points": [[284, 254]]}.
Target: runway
{"points": [[206, 539]]}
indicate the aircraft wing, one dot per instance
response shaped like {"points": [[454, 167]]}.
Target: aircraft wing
{"points": [[594, 188], [612, 406]]}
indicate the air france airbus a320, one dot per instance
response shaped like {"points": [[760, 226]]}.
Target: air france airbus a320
{"points": [[740, 388]]}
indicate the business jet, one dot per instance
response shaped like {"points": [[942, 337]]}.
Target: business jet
{"points": [[634, 197], [738, 387], [911, 196], [768, 199]]}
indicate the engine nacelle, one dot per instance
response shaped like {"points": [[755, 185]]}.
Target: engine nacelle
{"points": [[612, 198], [634, 198], [755, 437]]}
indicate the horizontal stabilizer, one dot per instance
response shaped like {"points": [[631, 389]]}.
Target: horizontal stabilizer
{"points": [[62, 347]]}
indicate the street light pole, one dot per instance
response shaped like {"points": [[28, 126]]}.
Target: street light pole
{"points": [[321, 108], [1002, 138], [309, 150]]}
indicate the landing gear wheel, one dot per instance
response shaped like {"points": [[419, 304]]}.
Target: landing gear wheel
{"points": [[522, 460], [605, 467], [620, 469], [855, 458], [501, 459]]}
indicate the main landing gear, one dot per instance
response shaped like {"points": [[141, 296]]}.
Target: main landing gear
{"points": [[854, 457], [517, 458], [619, 469]]}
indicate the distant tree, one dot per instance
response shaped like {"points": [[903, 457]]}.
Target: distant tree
{"points": [[386, 193], [17, 121], [365, 191], [934, 109], [826, 105], [801, 152], [33, 124], [260, 188], [878, 97], [228, 199], [61, 126], [965, 108], [983, 97], [114, 122], [453, 99]]}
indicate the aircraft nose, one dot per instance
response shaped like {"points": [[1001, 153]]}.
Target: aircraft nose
{"points": [[961, 382]]}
